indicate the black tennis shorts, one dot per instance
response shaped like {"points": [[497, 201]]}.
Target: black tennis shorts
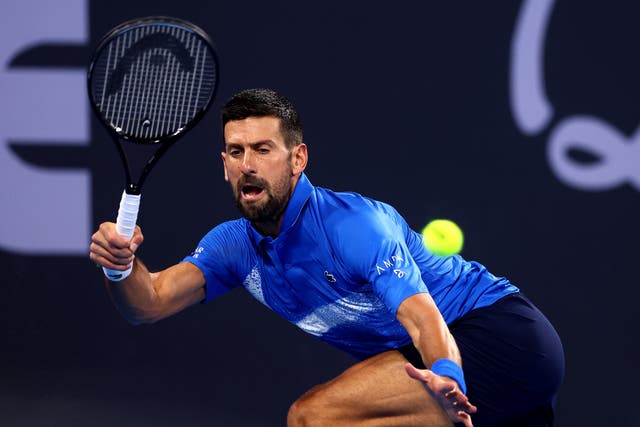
{"points": [[513, 363]]}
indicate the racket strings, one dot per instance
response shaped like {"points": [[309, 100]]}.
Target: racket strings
{"points": [[156, 79]]}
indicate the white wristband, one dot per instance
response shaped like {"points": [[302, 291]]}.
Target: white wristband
{"points": [[116, 275]]}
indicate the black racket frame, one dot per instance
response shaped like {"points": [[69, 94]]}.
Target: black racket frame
{"points": [[135, 187]]}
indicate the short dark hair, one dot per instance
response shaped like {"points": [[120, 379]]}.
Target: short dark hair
{"points": [[265, 103]]}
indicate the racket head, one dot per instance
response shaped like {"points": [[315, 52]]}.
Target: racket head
{"points": [[152, 79]]}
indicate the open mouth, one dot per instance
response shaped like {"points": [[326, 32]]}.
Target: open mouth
{"points": [[251, 192]]}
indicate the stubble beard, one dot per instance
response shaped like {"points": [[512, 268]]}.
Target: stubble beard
{"points": [[275, 200]]}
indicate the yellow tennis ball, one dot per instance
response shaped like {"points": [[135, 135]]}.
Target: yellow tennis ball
{"points": [[443, 237]]}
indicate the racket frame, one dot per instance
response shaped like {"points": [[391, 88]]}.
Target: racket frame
{"points": [[135, 187], [130, 200]]}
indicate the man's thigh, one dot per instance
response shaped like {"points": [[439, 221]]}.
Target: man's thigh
{"points": [[374, 392]]}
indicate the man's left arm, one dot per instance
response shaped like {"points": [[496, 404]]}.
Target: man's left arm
{"points": [[444, 379]]}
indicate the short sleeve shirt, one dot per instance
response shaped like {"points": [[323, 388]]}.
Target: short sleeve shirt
{"points": [[339, 269]]}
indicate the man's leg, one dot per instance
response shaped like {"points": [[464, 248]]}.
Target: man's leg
{"points": [[374, 392]]}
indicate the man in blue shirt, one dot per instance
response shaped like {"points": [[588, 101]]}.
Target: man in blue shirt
{"points": [[350, 271]]}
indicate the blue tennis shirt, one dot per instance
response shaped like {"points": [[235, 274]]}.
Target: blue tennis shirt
{"points": [[340, 268]]}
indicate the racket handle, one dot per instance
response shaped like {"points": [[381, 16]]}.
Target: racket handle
{"points": [[125, 226]]}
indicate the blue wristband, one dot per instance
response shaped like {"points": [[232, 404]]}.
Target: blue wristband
{"points": [[449, 368]]}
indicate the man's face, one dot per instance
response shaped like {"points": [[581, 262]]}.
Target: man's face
{"points": [[261, 169]]}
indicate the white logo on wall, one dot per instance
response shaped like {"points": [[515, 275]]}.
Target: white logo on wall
{"points": [[44, 210], [533, 113]]}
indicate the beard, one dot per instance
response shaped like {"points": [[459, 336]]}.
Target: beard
{"points": [[274, 201]]}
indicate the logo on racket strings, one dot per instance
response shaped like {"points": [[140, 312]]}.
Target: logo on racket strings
{"points": [[170, 45]]}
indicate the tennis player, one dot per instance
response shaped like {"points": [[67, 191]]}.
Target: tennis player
{"points": [[440, 340]]}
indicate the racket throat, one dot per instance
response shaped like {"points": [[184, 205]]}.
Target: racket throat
{"points": [[133, 189]]}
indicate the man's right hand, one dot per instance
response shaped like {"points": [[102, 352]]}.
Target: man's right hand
{"points": [[111, 250]]}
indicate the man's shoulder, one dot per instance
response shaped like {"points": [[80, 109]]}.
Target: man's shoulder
{"points": [[347, 206], [345, 200], [350, 215]]}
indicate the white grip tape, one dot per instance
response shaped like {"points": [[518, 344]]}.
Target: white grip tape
{"points": [[125, 226]]}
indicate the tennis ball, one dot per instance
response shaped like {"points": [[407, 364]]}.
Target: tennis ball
{"points": [[443, 237]]}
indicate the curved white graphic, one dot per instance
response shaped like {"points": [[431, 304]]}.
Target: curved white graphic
{"points": [[44, 210], [615, 165], [531, 108], [616, 157]]}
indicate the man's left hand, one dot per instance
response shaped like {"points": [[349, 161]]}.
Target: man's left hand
{"points": [[447, 394]]}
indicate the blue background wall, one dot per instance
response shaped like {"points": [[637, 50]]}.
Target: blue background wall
{"points": [[411, 103]]}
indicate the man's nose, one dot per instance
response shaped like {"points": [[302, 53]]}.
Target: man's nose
{"points": [[248, 163]]}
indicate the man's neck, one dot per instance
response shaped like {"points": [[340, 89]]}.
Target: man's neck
{"points": [[268, 228]]}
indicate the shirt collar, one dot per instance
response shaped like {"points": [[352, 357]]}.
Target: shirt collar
{"points": [[301, 194]]}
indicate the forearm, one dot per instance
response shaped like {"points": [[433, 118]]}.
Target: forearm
{"points": [[428, 330], [437, 345], [436, 342], [430, 334], [146, 297], [136, 296]]}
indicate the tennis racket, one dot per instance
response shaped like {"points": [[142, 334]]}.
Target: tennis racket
{"points": [[150, 81]]}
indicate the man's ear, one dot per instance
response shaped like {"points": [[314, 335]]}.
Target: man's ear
{"points": [[299, 158], [223, 155]]}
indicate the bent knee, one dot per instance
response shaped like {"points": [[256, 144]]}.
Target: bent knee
{"points": [[297, 415], [309, 410]]}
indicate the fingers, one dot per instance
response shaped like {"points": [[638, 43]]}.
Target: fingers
{"points": [[446, 392], [460, 402], [461, 412], [104, 258], [423, 375], [109, 249], [463, 405], [464, 418], [136, 240], [459, 398]]}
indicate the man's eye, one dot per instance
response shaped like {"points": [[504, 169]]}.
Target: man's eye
{"points": [[263, 150]]}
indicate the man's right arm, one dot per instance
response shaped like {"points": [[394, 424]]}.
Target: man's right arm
{"points": [[144, 297]]}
